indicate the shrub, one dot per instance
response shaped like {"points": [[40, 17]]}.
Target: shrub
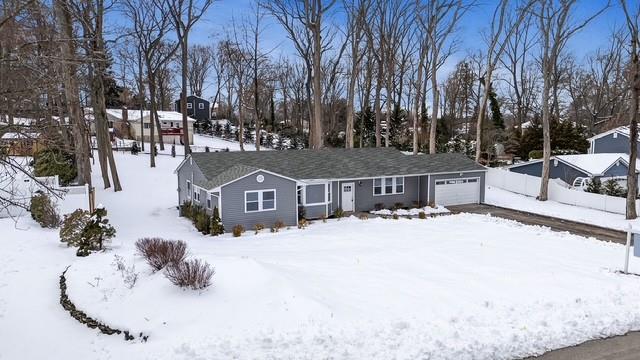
{"points": [[72, 227], [159, 252], [417, 204], [422, 215], [594, 186], [395, 216], [338, 213], [363, 216], [129, 274], [258, 228], [302, 223], [135, 149], [194, 274], [613, 188], [238, 230], [51, 162], [398, 205], [279, 224], [43, 211], [302, 212], [173, 150], [535, 154], [185, 209], [216, 224], [324, 218], [378, 206], [96, 232], [201, 219]]}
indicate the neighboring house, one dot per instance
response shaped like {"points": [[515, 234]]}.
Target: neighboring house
{"points": [[126, 125], [612, 141], [21, 143], [577, 170], [252, 187], [197, 108]]}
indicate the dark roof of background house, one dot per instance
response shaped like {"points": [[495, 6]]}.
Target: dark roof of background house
{"points": [[222, 167]]}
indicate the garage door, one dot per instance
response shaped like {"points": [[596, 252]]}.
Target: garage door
{"points": [[458, 191]]}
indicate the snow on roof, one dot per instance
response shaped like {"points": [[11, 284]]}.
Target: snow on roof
{"points": [[623, 130], [134, 115], [19, 135], [18, 121], [594, 164]]}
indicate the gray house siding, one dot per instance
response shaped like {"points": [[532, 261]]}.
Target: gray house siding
{"points": [[478, 174], [233, 212], [366, 201], [195, 112], [424, 189], [315, 211], [620, 169], [609, 144], [560, 171], [314, 194], [191, 172]]}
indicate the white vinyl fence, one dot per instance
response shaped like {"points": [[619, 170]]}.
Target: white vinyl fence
{"points": [[530, 186]]}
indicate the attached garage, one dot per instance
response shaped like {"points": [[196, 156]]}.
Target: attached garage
{"points": [[457, 191]]}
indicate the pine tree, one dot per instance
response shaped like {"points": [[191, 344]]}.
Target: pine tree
{"points": [[612, 188], [216, 224], [97, 231], [496, 114], [594, 186]]}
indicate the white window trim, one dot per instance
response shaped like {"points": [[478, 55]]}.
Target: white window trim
{"points": [[189, 189], [209, 202], [189, 105], [196, 193], [393, 183], [201, 106], [260, 200]]}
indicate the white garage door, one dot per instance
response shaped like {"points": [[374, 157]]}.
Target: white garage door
{"points": [[458, 191]]}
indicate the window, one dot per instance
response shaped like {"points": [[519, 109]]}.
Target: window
{"points": [[189, 105], [196, 194], [146, 125], [188, 188], [261, 200], [388, 185], [201, 106], [208, 201]]}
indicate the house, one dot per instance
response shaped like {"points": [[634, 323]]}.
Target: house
{"points": [[612, 141], [252, 188], [577, 170], [126, 125], [21, 143], [197, 108]]}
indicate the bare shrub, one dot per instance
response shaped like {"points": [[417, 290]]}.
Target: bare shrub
{"points": [[258, 228], [194, 274], [422, 215], [363, 216], [160, 252], [237, 230], [279, 224]]}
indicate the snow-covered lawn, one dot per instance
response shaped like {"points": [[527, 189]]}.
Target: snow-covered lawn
{"points": [[507, 199], [452, 287]]}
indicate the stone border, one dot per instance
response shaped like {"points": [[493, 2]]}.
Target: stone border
{"points": [[85, 319]]}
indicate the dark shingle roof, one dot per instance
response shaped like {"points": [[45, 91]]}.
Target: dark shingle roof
{"points": [[221, 167]]}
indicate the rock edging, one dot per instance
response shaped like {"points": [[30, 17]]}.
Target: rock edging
{"points": [[85, 319]]}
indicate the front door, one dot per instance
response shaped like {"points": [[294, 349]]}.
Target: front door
{"points": [[348, 196]]}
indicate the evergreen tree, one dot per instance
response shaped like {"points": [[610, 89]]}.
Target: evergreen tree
{"points": [[227, 130], [496, 115], [51, 162], [612, 188], [96, 232], [594, 186], [216, 224], [365, 128]]}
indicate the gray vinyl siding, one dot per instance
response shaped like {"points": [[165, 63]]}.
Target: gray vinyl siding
{"points": [[315, 211], [560, 171], [233, 202], [195, 112], [609, 144], [188, 171], [366, 201], [475, 174], [424, 189], [314, 194], [619, 169]]}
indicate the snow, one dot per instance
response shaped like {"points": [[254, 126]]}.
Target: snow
{"points": [[595, 164], [451, 287], [428, 210], [507, 199], [134, 115], [19, 135]]}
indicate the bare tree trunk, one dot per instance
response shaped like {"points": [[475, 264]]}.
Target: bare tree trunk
{"points": [[152, 116], [434, 108], [317, 137], [376, 101], [240, 113], [634, 108], [141, 94], [183, 94]]}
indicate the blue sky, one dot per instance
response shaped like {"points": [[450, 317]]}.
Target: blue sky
{"points": [[595, 35]]}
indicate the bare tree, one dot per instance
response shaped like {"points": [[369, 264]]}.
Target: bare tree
{"points": [[501, 30], [185, 14], [632, 15], [556, 28], [202, 59]]}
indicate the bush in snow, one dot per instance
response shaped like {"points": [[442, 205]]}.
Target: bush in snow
{"points": [[422, 215], [279, 224], [363, 216], [378, 206], [201, 219], [594, 186], [72, 227], [159, 252], [237, 230], [613, 188], [398, 205], [216, 227], [173, 150], [129, 274], [135, 149], [194, 274], [395, 216], [339, 213], [43, 211], [302, 223], [302, 212], [96, 232], [258, 228]]}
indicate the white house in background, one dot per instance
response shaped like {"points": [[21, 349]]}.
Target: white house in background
{"points": [[577, 170], [611, 141], [126, 125]]}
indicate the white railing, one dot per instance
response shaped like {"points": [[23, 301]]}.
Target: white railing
{"points": [[530, 186]]}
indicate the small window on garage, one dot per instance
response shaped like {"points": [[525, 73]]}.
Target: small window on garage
{"points": [[451, 182], [200, 106], [472, 180], [440, 182]]}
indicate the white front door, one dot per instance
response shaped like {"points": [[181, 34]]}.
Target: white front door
{"points": [[348, 196]]}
